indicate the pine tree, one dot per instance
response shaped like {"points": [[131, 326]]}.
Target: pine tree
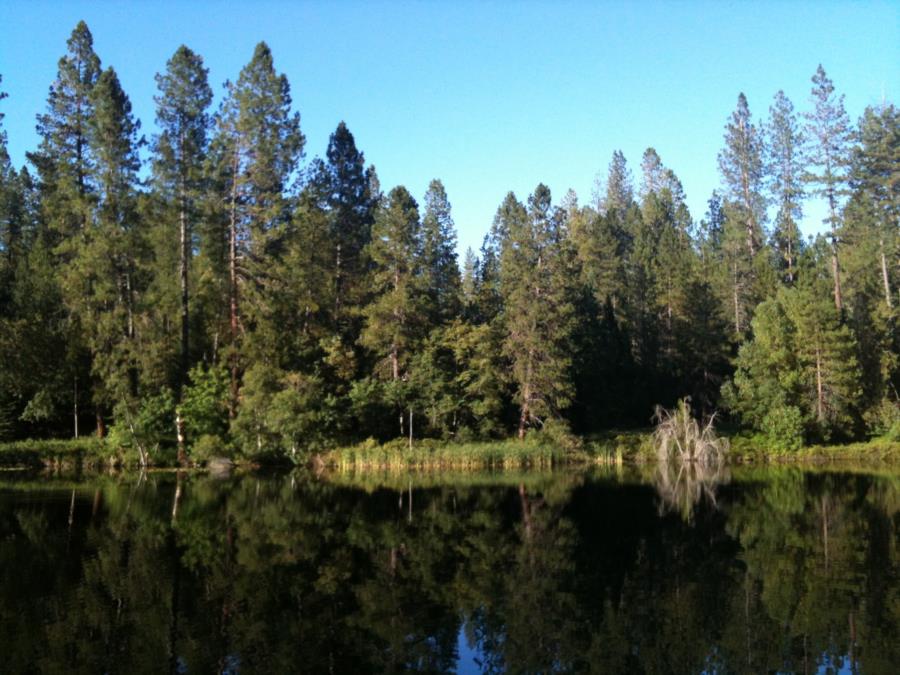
{"points": [[441, 269], [828, 134], [826, 352], [260, 145], [179, 176], [875, 179], [107, 265], [395, 316], [538, 310], [801, 358], [344, 187], [785, 172], [619, 188], [741, 166], [469, 279], [64, 161]]}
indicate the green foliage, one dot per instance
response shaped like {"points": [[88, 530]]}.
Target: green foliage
{"points": [[208, 446], [204, 402], [784, 427], [145, 427], [334, 312]]}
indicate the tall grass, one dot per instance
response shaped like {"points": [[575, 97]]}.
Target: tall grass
{"points": [[430, 454], [691, 459]]}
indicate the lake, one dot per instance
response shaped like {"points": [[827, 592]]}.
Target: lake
{"points": [[621, 570]]}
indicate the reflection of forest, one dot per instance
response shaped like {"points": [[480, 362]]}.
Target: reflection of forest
{"points": [[789, 571]]}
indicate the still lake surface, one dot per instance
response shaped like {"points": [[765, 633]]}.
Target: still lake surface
{"points": [[761, 570]]}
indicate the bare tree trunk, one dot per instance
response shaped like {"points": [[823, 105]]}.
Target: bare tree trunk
{"points": [[75, 407], [835, 263], [101, 428], [884, 276]]}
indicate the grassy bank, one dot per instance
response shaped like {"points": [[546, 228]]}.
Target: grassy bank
{"points": [[536, 452], [88, 452], [749, 450]]}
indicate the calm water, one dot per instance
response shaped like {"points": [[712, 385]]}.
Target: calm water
{"points": [[768, 571]]}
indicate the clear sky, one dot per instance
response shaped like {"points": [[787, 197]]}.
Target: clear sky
{"points": [[487, 96]]}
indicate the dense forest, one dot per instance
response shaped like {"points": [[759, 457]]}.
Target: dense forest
{"points": [[231, 293]]}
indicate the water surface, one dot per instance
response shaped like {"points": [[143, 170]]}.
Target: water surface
{"points": [[758, 571]]}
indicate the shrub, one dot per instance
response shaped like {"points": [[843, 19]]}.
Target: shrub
{"points": [[208, 446], [783, 428]]}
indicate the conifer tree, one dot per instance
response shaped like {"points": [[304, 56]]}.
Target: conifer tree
{"points": [[785, 173], [260, 146], [538, 308], [64, 161], [106, 270], [439, 252], [179, 176], [741, 166], [875, 180], [345, 189], [801, 358], [619, 187], [395, 316], [828, 134]]}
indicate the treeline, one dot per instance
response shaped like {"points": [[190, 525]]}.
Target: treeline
{"points": [[229, 293]]}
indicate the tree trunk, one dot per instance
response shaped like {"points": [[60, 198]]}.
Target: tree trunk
{"points": [[790, 260], [526, 398], [75, 407], [820, 397], [233, 289], [337, 280], [835, 263], [737, 304], [884, 276], [101, 428], [183, 275]]}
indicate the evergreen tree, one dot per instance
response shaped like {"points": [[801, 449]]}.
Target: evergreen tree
{"points": [[179, 176], [828, 134], [395, 317], [538, 309], [785, 172], [64, 161], [344, 187], [801, 359], [260, 146], [741, 166], [875, 179], [441, 270], [105, 283], [619, 187]]}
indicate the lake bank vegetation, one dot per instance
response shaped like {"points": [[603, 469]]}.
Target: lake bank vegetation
{"points": [[208, 292]]}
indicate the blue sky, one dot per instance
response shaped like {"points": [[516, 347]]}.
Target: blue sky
{"points": [[487, 96]]}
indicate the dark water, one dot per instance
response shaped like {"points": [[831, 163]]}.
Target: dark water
{"points": [[771, 571]]}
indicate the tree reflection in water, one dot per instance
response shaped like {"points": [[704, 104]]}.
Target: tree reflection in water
{"points": [[782, 570]]}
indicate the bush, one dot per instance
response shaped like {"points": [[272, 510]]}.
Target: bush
{"points": [[783, 427], [208, 446], [147, 428], [556, 433], [884, 421], [204, 405]]}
